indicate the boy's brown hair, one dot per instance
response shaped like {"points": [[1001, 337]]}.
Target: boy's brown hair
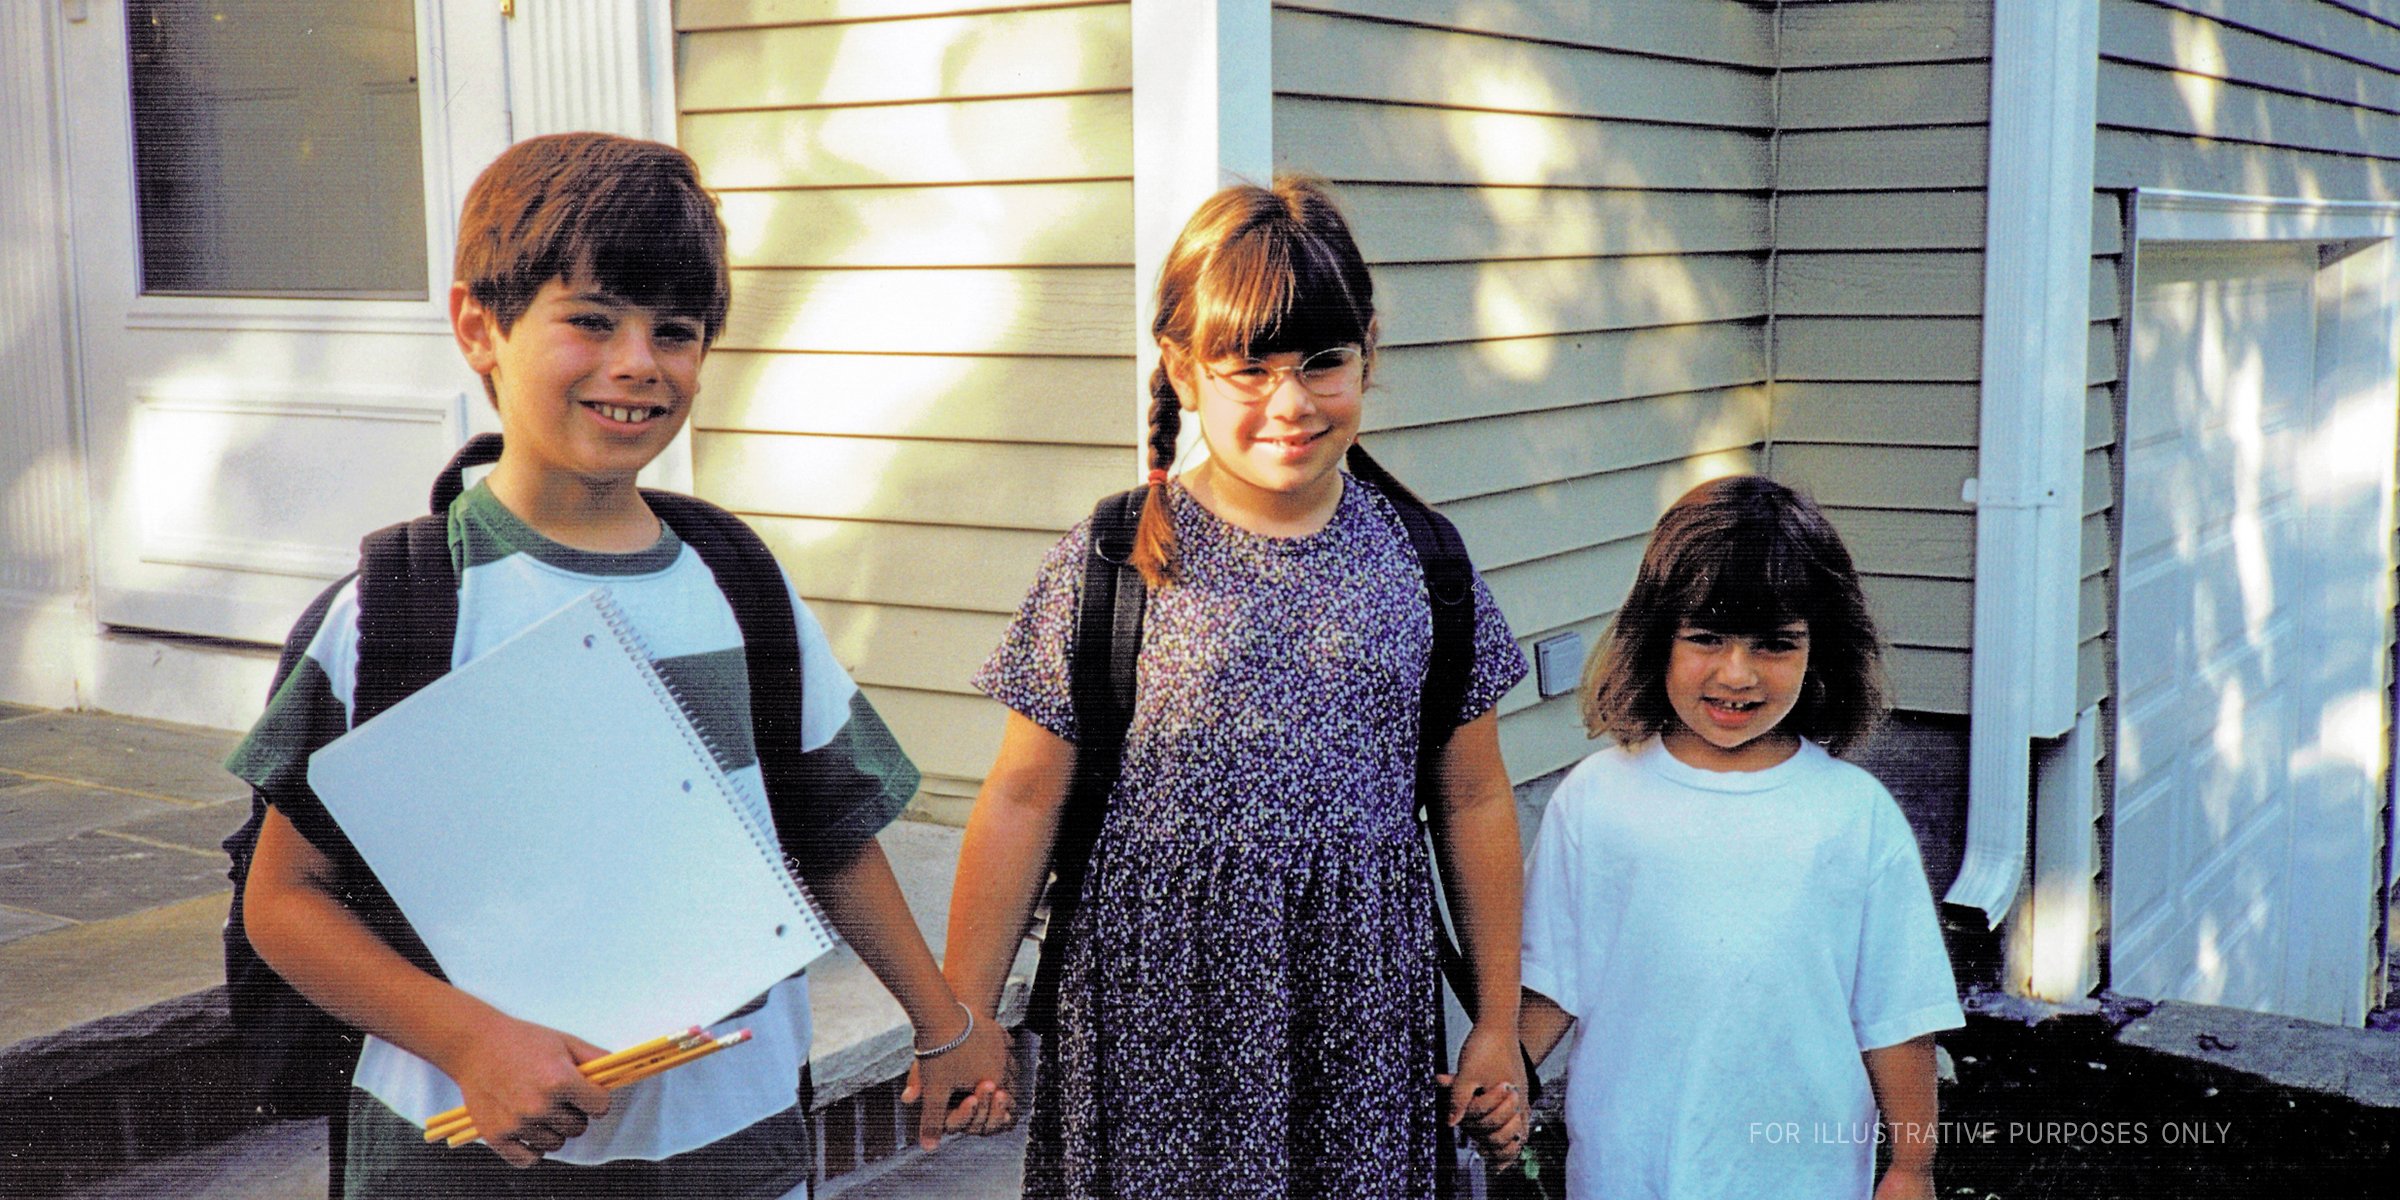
{"points": [[629, 215], [1744, 556], [1257, 271]]}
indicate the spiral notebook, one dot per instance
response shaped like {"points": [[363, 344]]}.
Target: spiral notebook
{"points": [[564, 840]]}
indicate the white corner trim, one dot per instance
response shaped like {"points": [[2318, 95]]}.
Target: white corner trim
{"points": [[1203, 118], [2054, 952], [2029, 506]]}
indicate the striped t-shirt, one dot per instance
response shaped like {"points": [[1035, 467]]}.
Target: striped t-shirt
{"points": [[510, 577]]}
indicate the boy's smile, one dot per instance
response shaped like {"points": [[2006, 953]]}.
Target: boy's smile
{"points": [[1731, 692]]}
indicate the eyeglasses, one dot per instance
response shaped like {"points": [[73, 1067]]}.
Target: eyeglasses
{"points": [[1325, 373]]}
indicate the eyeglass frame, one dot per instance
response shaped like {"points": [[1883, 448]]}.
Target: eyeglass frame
{"points": [[1297, 371]]}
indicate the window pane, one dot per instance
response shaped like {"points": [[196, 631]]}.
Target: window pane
{"points": [[276, 147]]}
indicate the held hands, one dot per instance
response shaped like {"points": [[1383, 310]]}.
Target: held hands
{"points": [[522, 1086], [1487, 1095], [967, 1089]]}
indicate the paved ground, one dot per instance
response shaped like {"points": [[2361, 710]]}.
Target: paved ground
{"points": [[109, 856]]}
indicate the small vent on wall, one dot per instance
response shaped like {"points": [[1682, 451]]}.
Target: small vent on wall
{"points": [[1558, 663]]}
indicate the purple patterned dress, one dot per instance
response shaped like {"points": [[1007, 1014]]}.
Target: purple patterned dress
{"points": [[1251, 1008]]}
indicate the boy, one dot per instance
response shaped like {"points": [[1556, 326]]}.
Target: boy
{"points": [[590, 282]]}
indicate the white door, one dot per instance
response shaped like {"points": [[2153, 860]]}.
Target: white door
{"points": [[2231, 886], [264, 196]]}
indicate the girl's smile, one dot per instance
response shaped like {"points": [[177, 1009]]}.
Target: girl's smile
{"points": [[1730, 692], [1274, 458]]}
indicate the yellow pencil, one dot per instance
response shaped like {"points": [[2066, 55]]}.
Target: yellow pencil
{"points": [[627, 1074], [655, 1047]]}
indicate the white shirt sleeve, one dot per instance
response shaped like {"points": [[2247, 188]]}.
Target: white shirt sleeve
{"points": [[1904, 986]]}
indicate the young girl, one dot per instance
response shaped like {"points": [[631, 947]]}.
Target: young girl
{"points": [[1247, 1006], [1740, 916]]}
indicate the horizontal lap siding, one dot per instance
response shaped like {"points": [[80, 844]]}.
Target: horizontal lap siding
{"points": [[1567, 210], [2255, 97], [1878, 301], [926, 374]]}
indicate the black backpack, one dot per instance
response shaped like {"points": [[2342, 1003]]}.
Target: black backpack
{"points": [[408, 622], [1108, 641]]}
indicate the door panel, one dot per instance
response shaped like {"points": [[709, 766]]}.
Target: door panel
{"points": [[2220, 555]]}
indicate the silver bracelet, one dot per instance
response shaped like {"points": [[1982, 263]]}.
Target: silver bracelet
{"points": [[956, 1042]]}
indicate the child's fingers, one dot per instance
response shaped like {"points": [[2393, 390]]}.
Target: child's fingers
{"points": [[933, 1113], [968, 1112], [1491, 1106], [915, 1086]]}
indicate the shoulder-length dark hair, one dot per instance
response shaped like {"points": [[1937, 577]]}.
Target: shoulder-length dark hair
{"points": [[1256, 271], [1742, 555]]}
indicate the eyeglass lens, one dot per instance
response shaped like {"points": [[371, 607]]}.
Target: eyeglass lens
{"points": [[1325, 373]]}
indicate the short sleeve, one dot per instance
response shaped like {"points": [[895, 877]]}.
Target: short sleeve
{"points": [[306, 713], [1499, 662], [1551, 962], [1904, 987], [1029, 671]]}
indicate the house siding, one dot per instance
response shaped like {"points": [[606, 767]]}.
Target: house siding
{"points": [[928, 372], [1878, 293], [1566, 209]]}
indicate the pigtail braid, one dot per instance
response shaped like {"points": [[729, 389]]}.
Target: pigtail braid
{"points": [[1154, 538]]}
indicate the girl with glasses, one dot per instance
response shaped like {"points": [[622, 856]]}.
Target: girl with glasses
{"points": [[1247, 1005]]}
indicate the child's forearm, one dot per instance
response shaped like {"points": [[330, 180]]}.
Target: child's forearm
{"points": [[1903, 1079], [1541, 1024], [1475, 826], [321, 948], [1005, 858], [864, 901], [969, 1053]]}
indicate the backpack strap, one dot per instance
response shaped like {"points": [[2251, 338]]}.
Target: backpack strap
{"points": [[407, 613], [480, 450], [1450, 585], [1100, 681], [407, 627]]}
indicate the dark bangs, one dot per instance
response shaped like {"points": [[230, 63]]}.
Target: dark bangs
{"points": [[1751, 583], [1280, 286], [657, 246]]}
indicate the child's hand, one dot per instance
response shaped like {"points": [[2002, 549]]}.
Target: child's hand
{"points": [[1487, 1095], [523, 1089], [968, 1090], [1906, 1183]]}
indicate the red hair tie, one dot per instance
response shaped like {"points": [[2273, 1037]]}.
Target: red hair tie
{"points": [[1158, 475]]}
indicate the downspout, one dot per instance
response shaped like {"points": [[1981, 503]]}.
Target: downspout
{"points": [[2028, 491]]}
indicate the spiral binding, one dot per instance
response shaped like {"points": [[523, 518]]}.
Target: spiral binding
{"points": [[769, 848]]}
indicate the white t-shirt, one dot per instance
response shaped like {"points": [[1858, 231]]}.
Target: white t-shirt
{"points": [[1729, 942]]}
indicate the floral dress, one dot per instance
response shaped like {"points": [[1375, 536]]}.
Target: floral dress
{"points": [[1249, 1005]]}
